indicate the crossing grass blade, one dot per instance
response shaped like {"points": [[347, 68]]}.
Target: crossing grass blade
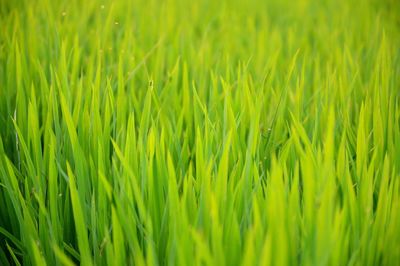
{"points": [[80, 225]]}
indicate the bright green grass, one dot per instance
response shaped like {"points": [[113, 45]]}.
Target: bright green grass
{"points": [[240, 132]]}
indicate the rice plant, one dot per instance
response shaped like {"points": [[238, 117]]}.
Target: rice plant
{"points": [[172, 132]]}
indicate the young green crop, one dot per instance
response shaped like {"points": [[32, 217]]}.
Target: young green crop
{"points": [[199, 132]]}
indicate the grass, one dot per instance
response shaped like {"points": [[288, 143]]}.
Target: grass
{"points": [[199, 132]]}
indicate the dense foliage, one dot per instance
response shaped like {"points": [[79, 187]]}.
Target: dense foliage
{"points": [[200, 132]]}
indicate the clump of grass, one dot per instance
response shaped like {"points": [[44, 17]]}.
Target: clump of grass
{"points": [[199, 132]]}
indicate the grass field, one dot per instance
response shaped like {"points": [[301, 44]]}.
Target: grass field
{"points": [[240, 132]]}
